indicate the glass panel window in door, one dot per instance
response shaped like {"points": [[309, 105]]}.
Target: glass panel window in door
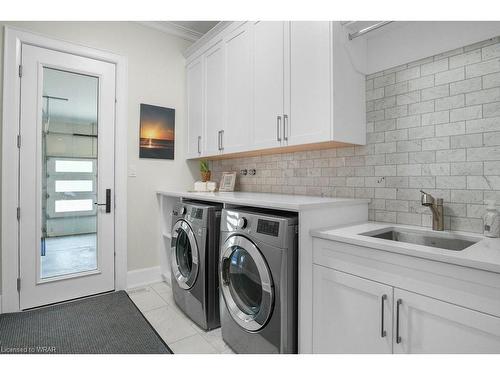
{"points": [[69, 170], [245, 284]]}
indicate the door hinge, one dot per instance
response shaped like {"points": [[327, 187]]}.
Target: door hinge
{"points": [[18, 213], [18, 284], [20, 71], [19, 141]]}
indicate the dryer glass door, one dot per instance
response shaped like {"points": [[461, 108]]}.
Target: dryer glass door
{"points": [[184, 255], [246, 282]]}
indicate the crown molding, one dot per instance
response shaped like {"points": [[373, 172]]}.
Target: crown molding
{"points": [[207, 37], [173, 29]]}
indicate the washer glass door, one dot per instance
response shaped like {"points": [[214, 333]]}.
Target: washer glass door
{"points": [[184, 254], [246, 283]]}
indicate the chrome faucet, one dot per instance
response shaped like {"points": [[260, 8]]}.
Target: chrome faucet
{"points": [[436, 206]]}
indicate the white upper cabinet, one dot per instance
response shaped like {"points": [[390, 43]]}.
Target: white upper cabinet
{"points": [[268, 82], [236, 135], [214, 98], [310, 76], [194, 73], [275, 84]]}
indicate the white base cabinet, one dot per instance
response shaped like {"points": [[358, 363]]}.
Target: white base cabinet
{"points": [[427, 325], [366, 305], [283, 84], [351, 314]]}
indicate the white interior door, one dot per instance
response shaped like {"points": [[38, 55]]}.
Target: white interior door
{"points": [[66, 238], [351, 314]]}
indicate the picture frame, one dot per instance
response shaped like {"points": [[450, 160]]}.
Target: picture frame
{"points": [[157, 132], [228, 181]]}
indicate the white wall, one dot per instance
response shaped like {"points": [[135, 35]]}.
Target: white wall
{"points": [[156, 76], [403, 42]]}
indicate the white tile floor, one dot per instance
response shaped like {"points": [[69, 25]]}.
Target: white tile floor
{"points": [[176, 329]]}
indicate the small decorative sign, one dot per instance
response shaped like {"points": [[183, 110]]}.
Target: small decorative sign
{"points": [[157, 132]]}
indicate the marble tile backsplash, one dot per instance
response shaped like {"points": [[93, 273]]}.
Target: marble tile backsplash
{"points": [[433, 124]]}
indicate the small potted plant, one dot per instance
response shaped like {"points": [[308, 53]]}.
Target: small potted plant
{"points": [[205, 171]]}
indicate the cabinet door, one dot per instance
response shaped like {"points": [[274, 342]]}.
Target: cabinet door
{"points": [[194, 72], [310, 83], [214, 98], [350, 313], [427, 325], [268, 47], [239, 104]]}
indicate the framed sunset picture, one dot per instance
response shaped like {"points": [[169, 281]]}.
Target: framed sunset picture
{"points": [[157, 132]]}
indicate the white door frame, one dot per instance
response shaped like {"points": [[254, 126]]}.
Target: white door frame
{"points": [[13, 39]]}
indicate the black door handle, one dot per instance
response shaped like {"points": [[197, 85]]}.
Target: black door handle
{"points": [[108, 201]]}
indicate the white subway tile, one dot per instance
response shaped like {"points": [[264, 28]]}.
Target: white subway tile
{"points": [[437, 143], [450, 102], [422, 107], [408, 121], [407, 74], [483, 96], [396, 135], [491, 139], [466, 141], [491, 168], [435, 92], [384, 125], [482, 68], [409, 218], [491, 80], [490, 52], [421, 83], [434, 118], [491, 110], [450, 182], [384, 80], [465, 59], [421, 132], [409, 170], [467, 113], [483, 153], [466, 196], [465, 86], [411, 145], [408, 98], [436, 169], [422, 157], [452, 128], [473, 168], [434, 67], [396, 89], [450, 155], [422, 182], [483, 125]]}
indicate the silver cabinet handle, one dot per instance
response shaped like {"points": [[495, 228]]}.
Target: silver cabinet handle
{"points": [[278, 128], [398, 338], [285, 127], [383, 332], [218, 140], [199, 139], [222, 139]]}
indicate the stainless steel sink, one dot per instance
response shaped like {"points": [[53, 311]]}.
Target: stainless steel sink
{"points": [[441, 241]]}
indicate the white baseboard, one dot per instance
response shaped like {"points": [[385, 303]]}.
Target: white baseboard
{"points": [[143, 276]]}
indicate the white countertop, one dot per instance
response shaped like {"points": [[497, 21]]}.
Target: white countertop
{"points": [[287, 202], [484, 254]]}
